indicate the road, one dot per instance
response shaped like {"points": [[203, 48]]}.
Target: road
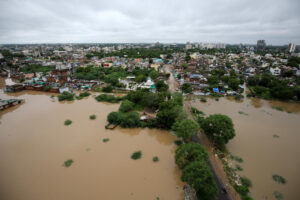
{"points": [[171, 81], [173, 84], [221, 195]]}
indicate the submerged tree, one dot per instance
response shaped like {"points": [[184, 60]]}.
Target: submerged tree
{"points": [[198, 175], [185, 128], [190, 152], [219, 128]]}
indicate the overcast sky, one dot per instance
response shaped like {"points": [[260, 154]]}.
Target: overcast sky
{"points": [[228, 21]]}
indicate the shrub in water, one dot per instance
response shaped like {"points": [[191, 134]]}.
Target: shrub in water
{"points": [[136, 155], [155, 159], [178, 142], [66, 96], [92, 117], [278, 195], [203, 99], [279, 179], [114, 118], [68, 122], [84, 94], [68, 163], [105, 140], [108, 98]]}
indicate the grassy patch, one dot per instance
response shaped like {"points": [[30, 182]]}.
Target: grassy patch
{"points": [[178, 142], [108, 98], [278, 195], [92, 117], [68, 163], [217, 99], [78, 97], [155, 159], [279, 179], [65, 96], [202, 99], [136, 155], [276, 136], [246, 181], [238, 168], [67, 122], [236, 158], [278, 108], [243, 113], [105, 140]]}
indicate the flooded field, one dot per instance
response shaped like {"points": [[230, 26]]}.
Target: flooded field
{"points": [[267, 139], [34, 143]]}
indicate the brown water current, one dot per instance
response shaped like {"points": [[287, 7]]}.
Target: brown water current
{"points": [[34, 143], [256, 122]]}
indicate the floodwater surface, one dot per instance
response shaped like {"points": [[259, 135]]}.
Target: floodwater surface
{"points": [[34, 143], [267, 139]]}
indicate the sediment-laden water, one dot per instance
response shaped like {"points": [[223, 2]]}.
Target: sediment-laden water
{"points": [[34, 143], [258, 126]]}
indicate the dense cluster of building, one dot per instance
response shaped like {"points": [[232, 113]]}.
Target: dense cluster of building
{"points": [[193, 63]]}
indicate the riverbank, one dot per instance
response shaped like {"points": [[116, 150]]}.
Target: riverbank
{"points": [[215, 161]]}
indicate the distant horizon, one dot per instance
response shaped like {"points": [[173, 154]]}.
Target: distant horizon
{"points": [[169, 21], [124, 43]]}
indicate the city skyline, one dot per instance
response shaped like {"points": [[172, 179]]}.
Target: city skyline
{"points": [[230, 22]]}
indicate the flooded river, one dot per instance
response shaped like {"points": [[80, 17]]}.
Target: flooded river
{"points": [[34, 143], [258, 126]]}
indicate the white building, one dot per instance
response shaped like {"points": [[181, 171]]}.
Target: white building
{"points": [[292, 47], [275, 71], [188, 45]]}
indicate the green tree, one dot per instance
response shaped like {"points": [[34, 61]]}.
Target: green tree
{"points": [[234, 83], [185, 128], [178, 98], [190, 152], [130, 120], [114, 118], [186, 88], [140, 78], [161, 86], [213, 80], [168, 112], [219, 128], [126, 106], [154, 74], [198, 175]]}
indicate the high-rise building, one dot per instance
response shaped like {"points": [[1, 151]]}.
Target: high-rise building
{"points": [[188, 45], [261, 45], [292, 47]]}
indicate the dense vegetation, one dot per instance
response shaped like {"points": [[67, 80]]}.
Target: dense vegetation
{"points": [[268, 86], [219, 129], [185, 128], [65, 96], [37, 68], [136, 155], [108, 98], [192, 159]]}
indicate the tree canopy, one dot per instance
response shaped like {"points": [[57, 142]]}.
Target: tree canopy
{"points": [[186, 88], [185, 128], [198, 175], [190, 152], [219, 128]]}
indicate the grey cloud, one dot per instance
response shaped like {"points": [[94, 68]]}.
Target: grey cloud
{"points": [[229, 21]]}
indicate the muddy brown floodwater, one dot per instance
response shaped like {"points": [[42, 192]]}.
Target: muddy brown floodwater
{"points": [[34, 143], [256, 122]]}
